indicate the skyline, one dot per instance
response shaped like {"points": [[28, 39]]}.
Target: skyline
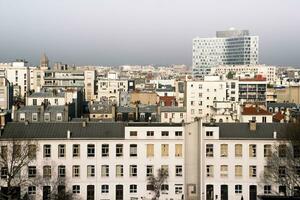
{"points": [[142, 32]]}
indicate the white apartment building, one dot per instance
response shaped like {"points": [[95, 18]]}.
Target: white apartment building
{"points": [[201, 95], [18, 74], [104, 160], [269, 72], [231, 160], [232, 47], [5, 93]]}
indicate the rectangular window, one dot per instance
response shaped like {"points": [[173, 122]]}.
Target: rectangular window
{"points": [[119, 150], [178, 189], [76, 171], [209, 133], [178, 133], [47, 151], [224, 150], [149, 171], [31, 190], [209, 150], [164, 188], [4, 172], [90, 170], [164, 150], [91, 150], [178, 170], [76, 150], [34, 117], [238, 150], [32, 151], [267, 150], [105, 150], [105, 171], [150, 150], [224, 170], [165, 168], [178, 150], [238, 170], [238, 189], [133, 188], [104, 189], [282, 171], [133, 150], [133, 170], [61, 171], [165, 133], [119, 170], [252, 150], [282, 150], [4, 152], [61, 150], [47, 171], [209, 170], [133, 133], [267, 189], [76, 189], [31, 171], [296, 151], [150, 133], [252, 171]]}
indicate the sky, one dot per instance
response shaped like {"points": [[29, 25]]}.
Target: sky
{"points": [[159, 32]]}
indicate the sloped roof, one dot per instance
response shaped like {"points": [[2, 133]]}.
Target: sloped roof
{"points": [[255, 111]]}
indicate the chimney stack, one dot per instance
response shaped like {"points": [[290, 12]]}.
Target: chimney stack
{"points": [[252, 125], [68, 134]]}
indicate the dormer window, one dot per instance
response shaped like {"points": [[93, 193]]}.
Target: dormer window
{"points": [[34, 117]]}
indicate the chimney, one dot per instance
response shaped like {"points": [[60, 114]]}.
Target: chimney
{"points": [[275, 135], [84, 124], [26, 122], [252, 125], [68, 134], [113, 112]]}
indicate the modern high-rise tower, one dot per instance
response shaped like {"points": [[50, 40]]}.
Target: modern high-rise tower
{"points": [[231, 47]]}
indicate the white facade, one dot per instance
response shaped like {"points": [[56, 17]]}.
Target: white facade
{"points": [[109, 89], [231, 47]]}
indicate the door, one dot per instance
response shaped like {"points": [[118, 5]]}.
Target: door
{"points": [[209, 192], [253, 192], [46, 192], [224, 192], [90, 194], [119, 192]]}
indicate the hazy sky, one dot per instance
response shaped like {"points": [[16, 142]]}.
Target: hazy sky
{"points": [[115, 32]]}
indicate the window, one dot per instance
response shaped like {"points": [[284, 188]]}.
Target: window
{"points": [[267, 189], [178, 189], [32, 151], [224, 170], [34, 117], [31, 190], [296, 150], [4, 172], [267, 169], [178, 170], [119, 150], [47, 151], [150, 133], [133, 133], [209, 133], [76, 171], [252, 171], [178, 150], [224, 150], [133, 150], [105, 170], [165, 133], [238, 150], [150, 150], [61, 171], [90, 170], [47, 171], [17, 150], [61, 150], [164, 150], [238, 170], [282, 171], [209, 150], [58, 117], [91, 150], [150, 187], [105, 150], [4, 152], [238, 189], [282, 150], [22, 117], [178, 133], [209, 170], [76, 150], [267, 150], [252, 150], [149, 171], [133, 188], [31, 171], [47, 117], [119, 170], [282, 190], [76, 189], [165, 187], [104, 188], [133, 170]]}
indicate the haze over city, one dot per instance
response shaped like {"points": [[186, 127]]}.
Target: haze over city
{"points": [[156, 32]]}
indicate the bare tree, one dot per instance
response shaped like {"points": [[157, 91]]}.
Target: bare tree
{"points": [[283, 163], [15, 156], [156, 182]]}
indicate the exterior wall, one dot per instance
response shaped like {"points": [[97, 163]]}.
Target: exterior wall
{"points": [[89, 84], [175, 117], [252, 91], [258, 118], [5, 94], [144, 98], [110, 89], [289, 94], [52, 100]]}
